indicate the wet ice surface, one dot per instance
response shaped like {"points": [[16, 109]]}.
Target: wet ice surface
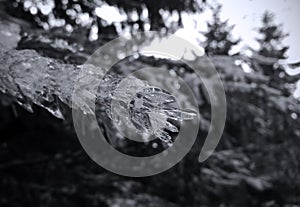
{"points": [[147, 108], [31, 79], [150, 111]]}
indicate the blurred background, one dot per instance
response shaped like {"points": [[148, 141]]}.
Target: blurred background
{"points": [[254, 45]]}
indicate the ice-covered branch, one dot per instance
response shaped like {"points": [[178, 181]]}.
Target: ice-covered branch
{"points": [[28, 78]]}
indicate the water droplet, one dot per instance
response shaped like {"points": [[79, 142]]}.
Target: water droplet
{"points": [[154, 145], [27, 4], [33, 10], [294, 116], [121, 55]]}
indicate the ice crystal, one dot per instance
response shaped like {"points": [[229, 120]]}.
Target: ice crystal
{"points": [[149, 109]]}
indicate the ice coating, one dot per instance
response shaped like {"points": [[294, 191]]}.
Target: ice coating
{"points": [[147, 108], [28, 79], [151, 111]]}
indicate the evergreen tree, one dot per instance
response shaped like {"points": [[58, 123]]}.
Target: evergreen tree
{"points": [[219, 40], [63, 7], [271, 38], [270, 41]]}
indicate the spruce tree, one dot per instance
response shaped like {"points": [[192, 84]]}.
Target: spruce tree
{"points": [[219, 40], [271, 38], [270, 41], [271, 47]]}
